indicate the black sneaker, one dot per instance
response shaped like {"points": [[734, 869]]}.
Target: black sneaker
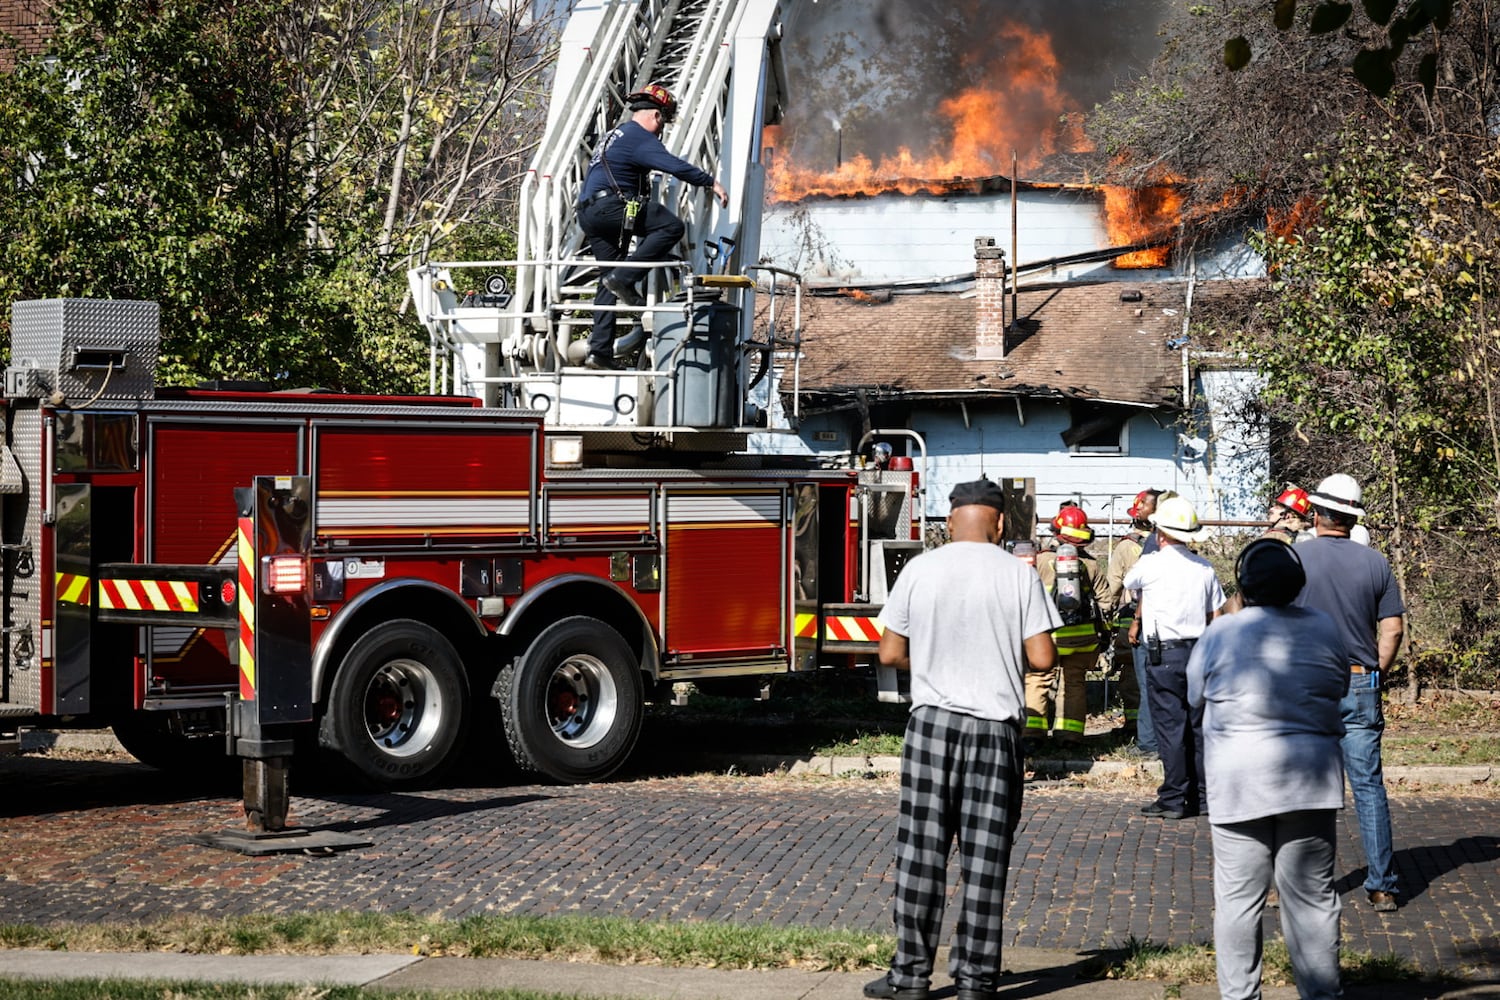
{"points": [[1157, 809], [881, 989], [624, 291], [600, 363]]}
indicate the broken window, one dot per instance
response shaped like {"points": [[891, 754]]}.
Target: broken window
{"points": [[1096, 429]]}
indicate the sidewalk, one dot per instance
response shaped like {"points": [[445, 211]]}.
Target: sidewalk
{"points": [[1034, 972], [107, 840]]}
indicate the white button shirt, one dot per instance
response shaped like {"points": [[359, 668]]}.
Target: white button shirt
{"points": [[1179, 592]]}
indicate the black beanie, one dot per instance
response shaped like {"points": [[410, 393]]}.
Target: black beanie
{"points": [[1269, 573], [981, 490]]}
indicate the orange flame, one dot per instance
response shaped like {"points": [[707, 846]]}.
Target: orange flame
{"points": [[1142, 215], [1289, 224], [1020, 110]]}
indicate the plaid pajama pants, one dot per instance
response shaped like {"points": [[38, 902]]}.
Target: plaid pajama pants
{"points": [[961, 777]]}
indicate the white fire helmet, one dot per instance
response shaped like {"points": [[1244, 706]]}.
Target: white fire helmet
{"points": [[1341, 493]]}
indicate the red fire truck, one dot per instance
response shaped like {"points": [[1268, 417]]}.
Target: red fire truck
{"points": [[536, 552], [206, 570]]}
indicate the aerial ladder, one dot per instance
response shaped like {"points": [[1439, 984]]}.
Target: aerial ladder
{"points": [[518, 341]]}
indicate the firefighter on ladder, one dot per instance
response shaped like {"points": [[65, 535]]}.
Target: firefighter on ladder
{"points": [[1058, 699], [614, 207]]}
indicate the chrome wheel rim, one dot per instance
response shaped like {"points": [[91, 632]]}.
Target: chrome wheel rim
{"points": [[402, 707], [582, 701]]}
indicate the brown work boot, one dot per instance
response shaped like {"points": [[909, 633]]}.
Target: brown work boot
{"points": [[1384, 902]]}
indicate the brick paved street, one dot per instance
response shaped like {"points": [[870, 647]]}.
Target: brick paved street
{"points": [[93, 841]]}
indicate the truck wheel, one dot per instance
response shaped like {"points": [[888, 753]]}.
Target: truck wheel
{"points": [[396, 709], [157, 740], [572, 702]]}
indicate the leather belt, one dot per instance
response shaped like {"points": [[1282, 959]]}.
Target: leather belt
{"points": [[1176, 643], [1355, 668], [598, 196]]}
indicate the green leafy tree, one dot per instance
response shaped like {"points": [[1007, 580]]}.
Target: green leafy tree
{"points": [[1380, 337], [267, 171], [1379, 61], [1378, 219]]}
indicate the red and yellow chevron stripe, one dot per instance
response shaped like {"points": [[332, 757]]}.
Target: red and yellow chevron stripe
{"points": [[856, 628], [72, 588], [247, 608], [148, 595], [843, 628]]}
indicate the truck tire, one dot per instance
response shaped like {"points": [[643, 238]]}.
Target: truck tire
{"points": [[572, 702], [397, 706], [155, 740]]}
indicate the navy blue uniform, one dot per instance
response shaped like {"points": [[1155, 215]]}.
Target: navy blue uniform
{"points": [[620, 169]]}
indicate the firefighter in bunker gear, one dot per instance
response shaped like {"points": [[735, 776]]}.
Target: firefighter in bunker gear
{"points": [[615, 209], [1290, 515], [1058, 699]]}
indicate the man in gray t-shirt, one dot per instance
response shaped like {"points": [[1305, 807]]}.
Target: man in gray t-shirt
{"points": [[1353, 585], [966, 620]]}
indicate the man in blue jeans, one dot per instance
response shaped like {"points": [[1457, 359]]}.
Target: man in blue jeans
{"points": [[1353, 584]]}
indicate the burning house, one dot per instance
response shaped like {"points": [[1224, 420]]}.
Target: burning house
{"points": [[990, 293]]}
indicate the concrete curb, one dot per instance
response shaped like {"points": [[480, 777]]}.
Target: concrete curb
{"points": [[1030, 972], [103, 741], [337, 970]]}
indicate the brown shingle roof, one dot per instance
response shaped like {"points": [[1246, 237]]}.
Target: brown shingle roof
{"points": [[1075, 340]]}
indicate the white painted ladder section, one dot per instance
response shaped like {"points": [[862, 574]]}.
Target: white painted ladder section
{"points": [[718, 58]]}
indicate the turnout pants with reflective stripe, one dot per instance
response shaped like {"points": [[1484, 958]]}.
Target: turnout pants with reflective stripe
{"points": [[960, 778], [1058, 699]]}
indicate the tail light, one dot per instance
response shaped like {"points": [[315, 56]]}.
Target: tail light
{"points": [[284, 575]]}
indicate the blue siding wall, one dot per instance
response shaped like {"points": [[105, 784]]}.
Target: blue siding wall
{"points": [[1223, 483]]}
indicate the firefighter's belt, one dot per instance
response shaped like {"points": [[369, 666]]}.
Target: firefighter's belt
{"points": [[598, 196], [1076, 638]]}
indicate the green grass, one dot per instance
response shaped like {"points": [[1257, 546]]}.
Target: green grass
{"points": [[1448, 751], [1439, 731], [863, 745], [610, 940], [606, 940], [1193, 965]]}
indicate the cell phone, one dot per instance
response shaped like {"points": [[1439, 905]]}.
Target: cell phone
{"points": [[1153, 649]]}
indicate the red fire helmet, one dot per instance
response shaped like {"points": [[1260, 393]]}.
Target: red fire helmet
{"points": [[1135, 507], [654, 96], [1296, 500], [1072, 522]]}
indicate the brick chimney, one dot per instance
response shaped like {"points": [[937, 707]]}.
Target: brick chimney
{"points": [[989, 290]]}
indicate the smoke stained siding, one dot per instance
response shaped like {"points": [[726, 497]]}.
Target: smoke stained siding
{"points": [[901, 238]]}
